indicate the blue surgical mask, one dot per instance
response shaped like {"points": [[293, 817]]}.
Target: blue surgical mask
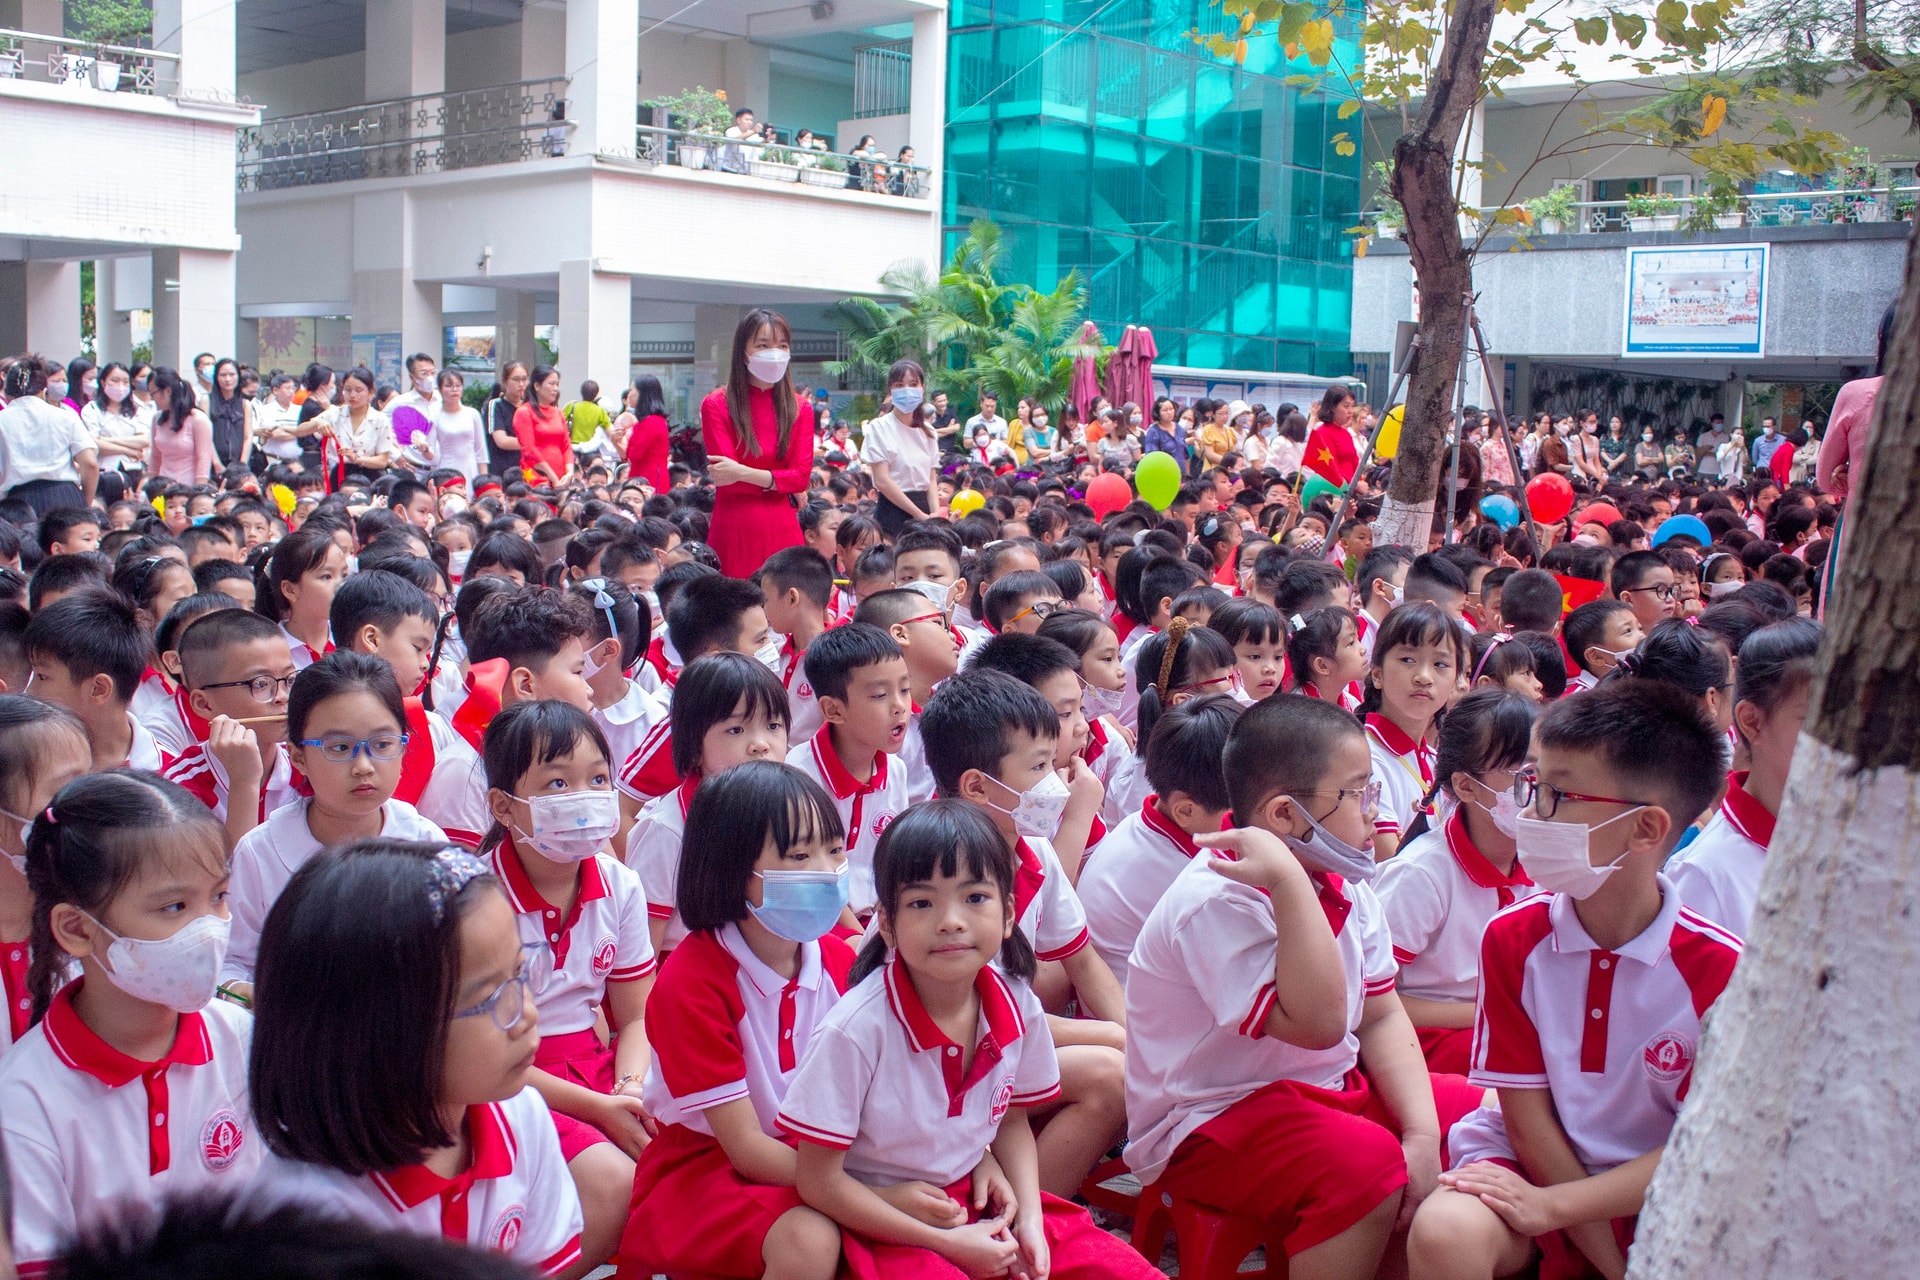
{"points": [[801, 906], [907, 399]]}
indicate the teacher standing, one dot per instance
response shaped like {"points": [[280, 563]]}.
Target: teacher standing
{"points": [[901, 450], [759, 441]]}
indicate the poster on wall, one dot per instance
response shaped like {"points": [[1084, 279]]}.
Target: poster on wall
{"points": [[1706, 300], [286, 342], [379, 352], [470, 348]]}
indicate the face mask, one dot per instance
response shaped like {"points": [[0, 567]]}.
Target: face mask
{"points": [[1505, 811], [1038, 812], [769, 365], [1097, 702], [907, 399], [1039, 424], [457, 563], [19, 861], [768, 655], [1615, 654], [423, 385], [353, 564], [1769, 432], [1647, 436], [653, 604], [179, 972], [115, 393], [26, 826], [800, 906], [1718, 590], [573, 825], [1134, 421], [1558, 854], [56, 391], [1324, 851]]}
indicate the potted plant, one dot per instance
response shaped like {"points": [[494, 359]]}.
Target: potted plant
{"points": [[104, 23], [775, 164], [1718, 207], [1857, 178], [827, 171], [1652, 211], [1553, 212], [703, 117]]}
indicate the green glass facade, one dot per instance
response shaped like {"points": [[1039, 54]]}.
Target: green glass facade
{"points": [[1199, 198]]}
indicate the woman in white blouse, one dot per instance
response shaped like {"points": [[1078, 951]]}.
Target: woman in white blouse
{"points": [[360, 435], [113, 419], [456, 427], [900, 450]]}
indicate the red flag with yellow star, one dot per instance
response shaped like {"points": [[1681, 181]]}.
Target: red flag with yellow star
{"points": [[1575, 592], [1330, 453]]}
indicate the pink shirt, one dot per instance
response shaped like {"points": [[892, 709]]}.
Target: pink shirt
{"points": [[185, 455], [1846, 439]]}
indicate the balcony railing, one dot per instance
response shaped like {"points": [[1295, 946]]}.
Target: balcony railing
{"points": [[834, 170], [105, 68], [1759, 209], [431, 133], [882, 79]]}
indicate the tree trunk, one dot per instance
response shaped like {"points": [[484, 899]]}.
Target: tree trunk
{"points": [[1793, 1157], [1423, 183]]}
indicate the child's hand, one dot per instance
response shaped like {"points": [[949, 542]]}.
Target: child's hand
{"points": [[237, 749], [924, 1202], [1423, 1174], [981, 1249], [1084, 789], [1036, 1260], [625, 1122], [1260, 858], [1527, 1209], [992, 1194]]}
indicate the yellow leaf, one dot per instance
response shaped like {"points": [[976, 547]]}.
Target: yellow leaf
{"points": [[1316, 38], [1343, 148], [1292, 52], [1713, 114], [1349, 108], [1239, 53], [1524, 216]]}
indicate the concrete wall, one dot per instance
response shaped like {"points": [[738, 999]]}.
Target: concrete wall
{"points": [[802, 102], [475, 60]]}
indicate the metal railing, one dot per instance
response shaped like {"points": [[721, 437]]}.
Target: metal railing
{"points": [[882, 79], [106, 68], [1758, 209], [835, 170], [430, 133]]}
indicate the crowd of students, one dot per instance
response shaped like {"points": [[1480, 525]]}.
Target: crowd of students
{"points": [[480, 862]]}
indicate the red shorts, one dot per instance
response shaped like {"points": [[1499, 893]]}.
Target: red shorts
{"points": [[578, 1058], [693, 1214], [1449, 1050], [1310, 1162], [1080, 1250], [1561, 1259]]}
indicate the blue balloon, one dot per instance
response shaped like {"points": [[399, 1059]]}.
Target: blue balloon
{"points": [[1683, 526], [1500, 509]]}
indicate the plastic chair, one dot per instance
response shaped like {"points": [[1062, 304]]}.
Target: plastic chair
{"points": [[1212, 1245]]}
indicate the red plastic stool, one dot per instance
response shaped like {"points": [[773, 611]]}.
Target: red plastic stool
{"points": [[1212, 1244]]}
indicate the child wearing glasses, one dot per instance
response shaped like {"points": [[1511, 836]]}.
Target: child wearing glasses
{"points": [[1020, 602], [236, 671], [1272, 1073], [408, 1107], [347, 732], [1645, 581], [917, 618]]}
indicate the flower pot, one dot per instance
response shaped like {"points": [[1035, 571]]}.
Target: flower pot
{"points": [[1729, 221], [823, 178], [1639, 224], [1551, 227], [773, 172], [106, 76], [1869, 211], [1666, 221], [693, 155]]}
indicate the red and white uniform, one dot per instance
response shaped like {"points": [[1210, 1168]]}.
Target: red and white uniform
{"points": [[150, 695], [266, 857], [174, 724], [653, 853], [806, 717], [515, 1197], [627, 722], [602, 939], [725, 1027], [866, 808], [89, 1129], [1122, 882], [1718, 875], [1404, 770], [303, 654], [200, 772], [1106, 750], [1130, 648], [1199, 990], [143, 752], [664, 659], [1611, 1034], [1366, 628], [1044, 903], [648, 770], [454, 795], [1127, 787], [883, 1083], [913, 762]]}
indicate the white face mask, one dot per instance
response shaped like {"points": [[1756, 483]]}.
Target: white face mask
{"points": [[180, 972], [769, 365], [573, 825], [1037, 814], [1505, 811], [423, 385], [1558, 854], [116, 392], [1097, 702], [457, 563], [768, 656], [1327, 852]]}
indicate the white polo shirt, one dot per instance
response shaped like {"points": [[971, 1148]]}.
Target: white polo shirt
{"points": [[1718, 875], [1106, 750], [866, 808], [39, 441], [172, 723], [143, 752], [1199, 988], [1124, 878], [627, 722], [1130, 695], [602, 939], [913, 762], [803, 704], [266, 857], [653, 854], [199, 771], [883, 1083], [724, 1026], [516, 1197], [303, 654], [1044, 902], [1611, 1034], [1438, 893], [1127, 787], [1404, 770], [89, 1129]]}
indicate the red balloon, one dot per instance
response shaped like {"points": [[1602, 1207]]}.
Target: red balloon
{"points": [[1550, 496], [1108, 493]]}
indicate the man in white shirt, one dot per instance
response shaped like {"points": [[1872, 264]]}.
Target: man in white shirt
{"points": [[47, 458], [988, 417], [423, 394], [1707, 449], [279, 414]]}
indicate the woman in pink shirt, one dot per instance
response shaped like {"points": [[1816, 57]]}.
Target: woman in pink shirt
{"points": [[182, 435]]}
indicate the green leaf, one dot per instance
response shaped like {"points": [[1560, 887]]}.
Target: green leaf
{"points": [[1593, 30], [1348, 109], [1630, 28]]}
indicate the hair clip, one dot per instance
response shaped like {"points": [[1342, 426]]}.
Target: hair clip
{"points": [[601, 599], [450, 871], [1297, 623], [50, 818], [1481, 665]]}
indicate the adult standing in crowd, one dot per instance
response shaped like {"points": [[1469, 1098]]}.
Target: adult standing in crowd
{"points": [[361, 436], [759, 441], [456, 426], [1165, 435], [112, 419], [546, 446], [182, 436], [231, 414], [649, 441], [47, 459], [503, 446], [901, 451]]}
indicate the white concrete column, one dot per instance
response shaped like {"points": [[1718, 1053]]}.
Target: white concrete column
{"points": [[194, 299], [927, 107], [112, 327], [202, 33], [596, 325], [543, 39], [603, 63], [406, 48], [386, 297], [513, 321], [40, 308]]}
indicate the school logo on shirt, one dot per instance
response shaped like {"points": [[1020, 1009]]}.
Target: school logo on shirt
{"points": [[603, 957], [1668, 1056], [220, 1139], [1002, 1099], [880, 823], [504, 1234]]}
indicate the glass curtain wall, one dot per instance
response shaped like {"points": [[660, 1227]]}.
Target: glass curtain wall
{"points": [[1199, 198]]}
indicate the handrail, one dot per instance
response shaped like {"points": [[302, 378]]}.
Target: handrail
{"points": [[68, 61], [1758, 208], [663, 146]]}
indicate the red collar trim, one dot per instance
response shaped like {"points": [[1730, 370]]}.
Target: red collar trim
{"points": [[525, 898], [79, 1047], [494, 1151], [1748, 816], [1392, 736], [1474, 863], [1333, 899], [1156, 820], [197, 725], [1028, 878], [688, 785], [1096, 741], [842, 783], [1004, 1022]]}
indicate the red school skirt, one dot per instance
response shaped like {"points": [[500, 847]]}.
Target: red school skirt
{"points": [[578, 1058], [693, 1214], [1080, 1250], [1448, 1050]]}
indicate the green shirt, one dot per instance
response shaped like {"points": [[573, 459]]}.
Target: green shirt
{"points": [[584, 417]]}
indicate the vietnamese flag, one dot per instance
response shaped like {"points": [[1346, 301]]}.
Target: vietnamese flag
{"points": [[1330, 454], [1575, 592]]}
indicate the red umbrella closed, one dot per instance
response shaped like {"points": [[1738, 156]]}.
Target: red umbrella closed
{"points": [[1141, 389], [1120, 368], [1086, 369]]}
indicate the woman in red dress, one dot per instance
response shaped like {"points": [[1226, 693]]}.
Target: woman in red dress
{"points": [[645, 419], [546, 446], [759, 441]]}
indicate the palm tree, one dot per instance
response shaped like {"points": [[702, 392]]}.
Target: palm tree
{"points": [[1034, 354]]}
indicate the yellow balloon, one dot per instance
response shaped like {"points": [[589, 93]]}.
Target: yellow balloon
{"points": [[966, 502], [1388, 442]]}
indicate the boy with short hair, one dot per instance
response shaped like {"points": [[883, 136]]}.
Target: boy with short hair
{"points": [[88, 652], [1356, 540], [227, 577], [525, 645], [798, 585], [1378, 587], [66, 530], [1052, 670], [236, 671], [1271, 1071], [1644, 580], [1435, 578], [1531, 600], [916, 619], [1600, 633], [203, 544], [62, 575], [1020, 602], [992, 740], [1591, 996], [1492, 587]]}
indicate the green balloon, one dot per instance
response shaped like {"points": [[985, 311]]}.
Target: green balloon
{"points": [[1158, 480], [1315, 486]]}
